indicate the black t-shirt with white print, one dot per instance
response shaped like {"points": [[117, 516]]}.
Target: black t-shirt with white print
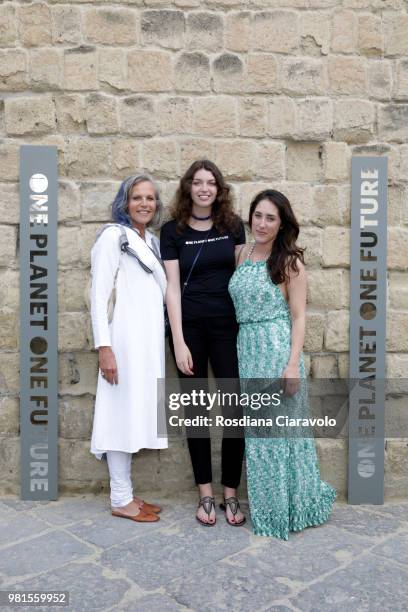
{"points": [[206, 294]]}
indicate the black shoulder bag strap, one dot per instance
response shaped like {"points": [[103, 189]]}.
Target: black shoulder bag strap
{"points": [[195, 261]]}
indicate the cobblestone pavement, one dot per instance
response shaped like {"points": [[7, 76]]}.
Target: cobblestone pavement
{"points": [[358, 561]]}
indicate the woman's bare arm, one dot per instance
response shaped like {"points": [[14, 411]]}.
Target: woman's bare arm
{"points": [[297, 287]]}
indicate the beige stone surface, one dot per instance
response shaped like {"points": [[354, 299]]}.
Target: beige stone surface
{"points": [[46, 69], [262, 71], [9, 416], [228, 71], [109, 26], [336, 336], [163, 28], [253, 116], [370, 35], [9, 160], [195, 148], [276, 31], [328, 289], [315, 30], [81, 68], [336, 246], [315, 119], [303, 162], [149, 70], [236, 158], [344, 32], [9, 289], [237, 34], [204, 31], [35, 24], [216, 116], [160, 158], [353, 120], [314, 331], [112, 68], [282, 117], [13, 70], [395, 28], [101, 114], [397, 250], [176, 115], [66, 24], [311, 239], [71, 112], [8, 25], [138, 115], [9, 203], [303, 76], [86, 158], [347, 75], [398, 290], [126, 158], [192, 72]]}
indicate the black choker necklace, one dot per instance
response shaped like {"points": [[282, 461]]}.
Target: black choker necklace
{"points": [[200, 218]]}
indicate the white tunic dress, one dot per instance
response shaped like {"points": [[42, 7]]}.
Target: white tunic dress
{"points": [[126, 414]]}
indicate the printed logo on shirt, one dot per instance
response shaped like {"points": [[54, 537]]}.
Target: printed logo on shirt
{"points": [[188, 242]]}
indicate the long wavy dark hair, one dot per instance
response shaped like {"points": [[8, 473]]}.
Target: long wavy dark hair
{"points": [[223, 215], [285, 252]]}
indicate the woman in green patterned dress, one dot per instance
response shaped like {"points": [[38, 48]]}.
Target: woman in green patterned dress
{"points": [[269, 293]]}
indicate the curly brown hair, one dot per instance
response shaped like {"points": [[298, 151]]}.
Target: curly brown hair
{"points": [[223, 215], [285, 252]]}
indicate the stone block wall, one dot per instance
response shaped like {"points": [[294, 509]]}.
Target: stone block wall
{"points": [[279, 93]]}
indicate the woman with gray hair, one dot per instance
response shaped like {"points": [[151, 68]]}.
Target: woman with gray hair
{"points": [[126, 263]]}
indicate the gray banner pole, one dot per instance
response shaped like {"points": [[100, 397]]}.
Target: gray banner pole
{"points": [[368, 283], [38, 323]]}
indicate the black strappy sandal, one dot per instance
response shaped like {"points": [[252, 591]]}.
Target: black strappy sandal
{"points": [[208, 504], [233, 504]]}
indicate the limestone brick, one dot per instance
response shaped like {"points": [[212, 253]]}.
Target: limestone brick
{"points": [[395, 30], [8, 25], [163, 28], [269, 160], [96, 200], [13, 70], [45, 69], [9, 289], [150, 70], [9, 160], [344, 32], [401, 84], [108, 26], [9, 203], [101, 114], [195, 148], [72, 287], [75, 417], [35, 24], [215, 116], [77, 373], [138, 116], [125, 157], [81, 68], [87, 235], [9, 329], [315, 119], [235, 157], [72, 331], [327, 289], [347, 75], [324, 366], [192, 72], [336, 246], [397, 331], [396, 366], [238, 31], [370, 36], [204, 31], [176, 115], [253, 116], [276, 31], [397, 248], [160, 157], [397, 204], [281, 117], [9, 372], [336, 161], [228, 73], [112, 68], [315, 32], [68, 238], [336, 337], [327, 205], [9, 415], [393, 122], [68, 201], [30, 115], [66, 24], [380, 81], [332, 456], [398, 290], [247, 193], [262, 72], [87, 159], [71, 112], [403, 163], [311, 239], [303, 162], [304, 76], [314, 331], [353, 120]]}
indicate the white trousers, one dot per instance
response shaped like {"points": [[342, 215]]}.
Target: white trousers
{"points": [[119, 464]]}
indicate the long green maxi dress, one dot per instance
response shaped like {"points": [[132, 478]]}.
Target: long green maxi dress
{"points": [[284, 487]]}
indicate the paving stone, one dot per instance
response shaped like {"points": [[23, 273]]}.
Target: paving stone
{"points": [[73, 510], [152, 603], [400, 511], [42, 554], [19, 505], [394, 548], [16, 526], [89, 588], [307, 555], [228, 586], [106, 530], [366, 584], [364, 521], [181, 548]]}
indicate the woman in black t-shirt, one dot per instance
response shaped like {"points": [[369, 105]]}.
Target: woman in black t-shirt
{"points": [[198, 249]]}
